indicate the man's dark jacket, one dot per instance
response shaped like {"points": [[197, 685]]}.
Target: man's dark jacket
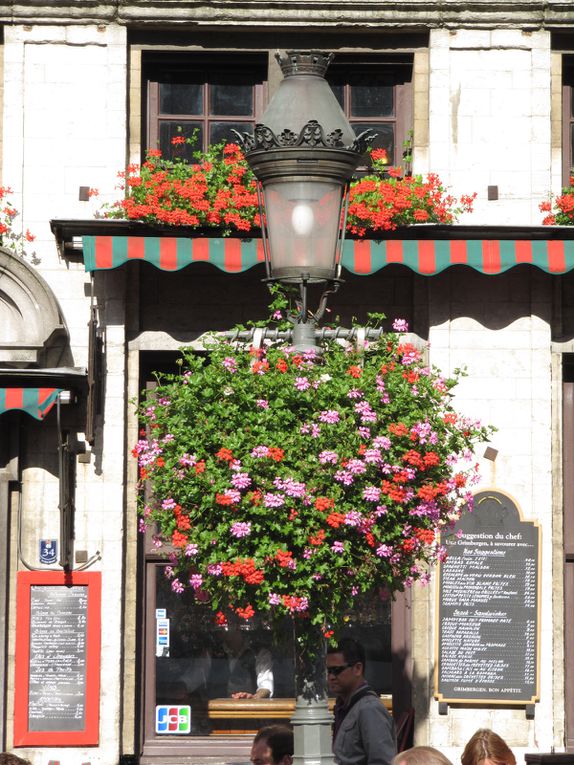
{"points": [[364, 732]]}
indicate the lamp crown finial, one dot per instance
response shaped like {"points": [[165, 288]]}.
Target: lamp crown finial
{"points": [[296, 62]]}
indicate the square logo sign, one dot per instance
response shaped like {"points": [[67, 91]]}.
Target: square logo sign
{"points": [[172, 719]]}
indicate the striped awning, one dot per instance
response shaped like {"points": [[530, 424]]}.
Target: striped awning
{"points": [[425, 256], [36, 402]]}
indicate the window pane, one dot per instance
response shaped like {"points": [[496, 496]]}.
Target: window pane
{"points": [[231, 100], [200, 665], [221, 131], [371, 100], [385, 137], [176, 98], [168, 130], [339, 91]]}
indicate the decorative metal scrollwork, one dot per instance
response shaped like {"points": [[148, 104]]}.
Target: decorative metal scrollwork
{"points": [[311, 136], [363, 141]]}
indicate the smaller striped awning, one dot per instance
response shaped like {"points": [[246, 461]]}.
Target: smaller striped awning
{"points": [[362, 257], [37, 402]]}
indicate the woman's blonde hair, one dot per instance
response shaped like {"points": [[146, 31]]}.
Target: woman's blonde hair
{"points": [[421, 755], [487, 745]]}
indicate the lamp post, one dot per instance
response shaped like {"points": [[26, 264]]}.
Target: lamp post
{"points": [[303, 155]]}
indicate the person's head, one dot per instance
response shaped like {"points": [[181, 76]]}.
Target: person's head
{"points": [[7, 758], [345, 667], [487, 748], [273, 745], [234, 639], [421, 755]]}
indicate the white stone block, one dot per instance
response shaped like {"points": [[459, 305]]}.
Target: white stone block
{"points": [[470, 38]]}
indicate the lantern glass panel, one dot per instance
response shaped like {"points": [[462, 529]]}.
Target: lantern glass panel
{"points": [[303, 220]]}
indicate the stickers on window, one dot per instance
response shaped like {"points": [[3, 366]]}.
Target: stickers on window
{"points": [[162, 637], [172, 719]]}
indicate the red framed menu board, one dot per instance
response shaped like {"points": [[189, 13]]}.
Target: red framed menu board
{"points": [[57, 693]]}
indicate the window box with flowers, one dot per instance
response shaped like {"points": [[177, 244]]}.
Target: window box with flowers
{"points": [[218, 192], [559, 209]]}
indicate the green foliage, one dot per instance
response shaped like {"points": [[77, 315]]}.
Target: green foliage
{"points": [[287, 484]]}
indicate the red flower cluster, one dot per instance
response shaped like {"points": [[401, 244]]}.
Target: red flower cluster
{"points": [[426, 536], [398, 429], [318, 538], [335, 519], [178, 539], [429, 492], [245, 568], [396, 493], [284, 558], [421, 461], [245, 613], [293, 603], [219, 190], [220, 619], [560, 209], [381, 203], [324, 503]]}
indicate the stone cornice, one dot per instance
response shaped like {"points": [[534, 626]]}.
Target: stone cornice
{"points": [[327, 14]]}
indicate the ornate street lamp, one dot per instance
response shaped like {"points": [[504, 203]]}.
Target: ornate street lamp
{"points": [[303, 155]]}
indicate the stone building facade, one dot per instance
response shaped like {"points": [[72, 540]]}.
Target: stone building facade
{"points": [[485, 88]]}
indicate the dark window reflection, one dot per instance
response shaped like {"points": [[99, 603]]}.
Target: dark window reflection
{"points": [[221, 131], [232, 100], [385, 135], [215, 670], [178, 98], [169, 130], [371, 100]]}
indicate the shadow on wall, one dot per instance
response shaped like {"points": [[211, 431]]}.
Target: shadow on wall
{"points": [[199, 298]]}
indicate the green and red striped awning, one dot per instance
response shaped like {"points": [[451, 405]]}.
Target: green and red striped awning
{"points": [[36, 402], [426, 257]]}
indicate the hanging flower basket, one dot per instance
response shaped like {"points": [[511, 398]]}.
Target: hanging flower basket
{"points": [[287, 484]]}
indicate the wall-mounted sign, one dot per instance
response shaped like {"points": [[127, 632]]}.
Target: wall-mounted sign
{"points": [[48, 551], [487, 642], [57, 693]]}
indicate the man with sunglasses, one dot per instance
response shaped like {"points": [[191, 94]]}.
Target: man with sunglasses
{"points": [[364, 732]]}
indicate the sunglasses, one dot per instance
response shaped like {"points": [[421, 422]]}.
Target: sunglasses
{"points": [[336, 671]]}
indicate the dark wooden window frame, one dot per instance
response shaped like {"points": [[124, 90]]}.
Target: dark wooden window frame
{"points": [[200, 67], [567, 118], [392, 69]]}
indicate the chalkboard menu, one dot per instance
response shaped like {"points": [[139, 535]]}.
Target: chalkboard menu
{"points": [[488, 606], [58, 637], [57, 658]]}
